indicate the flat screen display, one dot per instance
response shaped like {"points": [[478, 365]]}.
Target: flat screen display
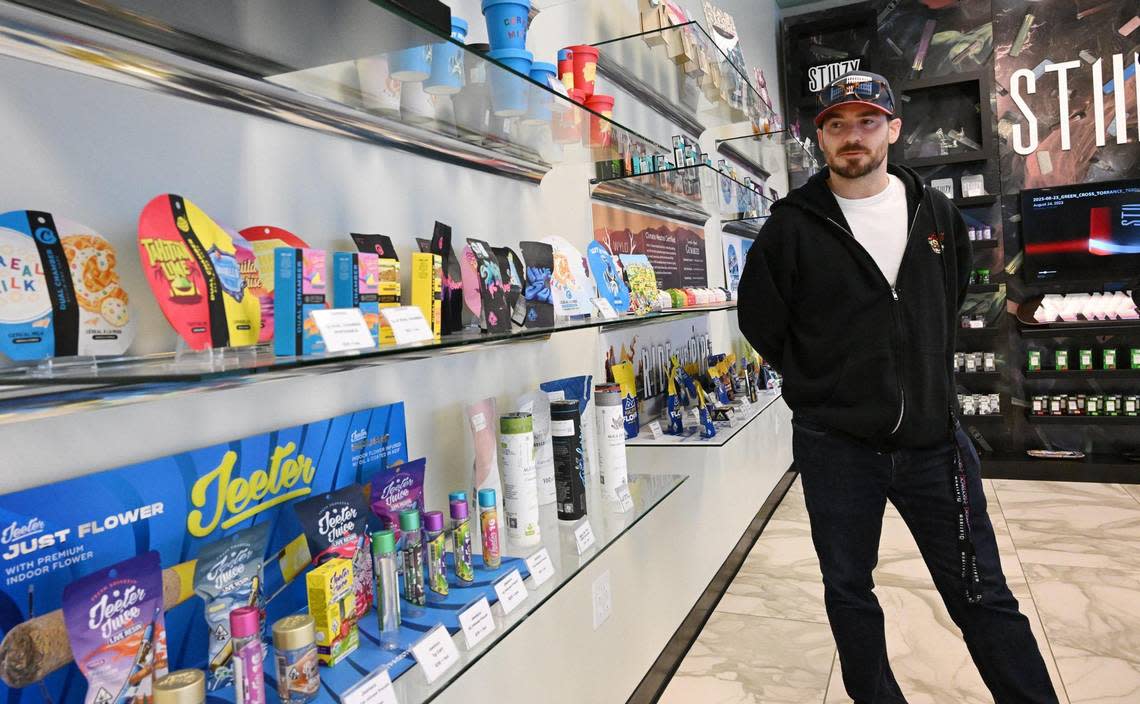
{"points": [[1087, 232]]}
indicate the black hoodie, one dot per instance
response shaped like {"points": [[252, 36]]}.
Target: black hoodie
{"points": [[856, 352]]}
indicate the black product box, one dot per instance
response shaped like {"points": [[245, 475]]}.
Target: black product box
{"points": [[433, 12]]}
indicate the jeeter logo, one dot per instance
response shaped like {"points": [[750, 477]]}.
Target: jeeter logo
{"points": [[15, 531], [115, 610], [220, 499]]}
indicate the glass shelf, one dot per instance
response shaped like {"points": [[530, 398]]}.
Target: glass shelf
{"points": [[691, 192], [725, 430], [265, 59], [765, 153], [607, 523], [35, 391], [680, 72]]}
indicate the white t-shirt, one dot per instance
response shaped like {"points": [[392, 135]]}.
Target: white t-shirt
{"points": [[879, 224]]}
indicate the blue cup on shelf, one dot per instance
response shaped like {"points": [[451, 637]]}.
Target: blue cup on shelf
{"points": [[410, 65], [538, 106], [508, 91], [506, 23], [447, 62]]}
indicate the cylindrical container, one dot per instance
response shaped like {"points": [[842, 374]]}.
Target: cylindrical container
{"points": [[181, 687], [601, 131], [412, 64], [447, 62], [436, 549], [538, 105], [412, 554], [248, 656], [508, 91], [415, 104], [611, 439], [295, 644], [461, 540], [507, 22], [489, 529], [473, 103], [569, 466], [585, 67], [387, 588], [567, 128], [566, 68], [378, 90], [520, 478]]}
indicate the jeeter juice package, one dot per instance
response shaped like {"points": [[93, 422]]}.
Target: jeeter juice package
{"points": [[114, 621]]}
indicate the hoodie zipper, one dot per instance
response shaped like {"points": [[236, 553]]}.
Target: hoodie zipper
{"points": [[894, 300]]}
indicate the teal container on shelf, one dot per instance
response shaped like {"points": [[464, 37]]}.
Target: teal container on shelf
{"points": [[538, 106], [447, 62], [508, 91], [410, 65], [507, 22]]}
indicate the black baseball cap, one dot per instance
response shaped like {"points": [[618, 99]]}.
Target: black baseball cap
{"points": [[858, 87]]}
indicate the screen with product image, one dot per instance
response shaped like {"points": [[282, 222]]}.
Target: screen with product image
{"points": [[1085, 232]]}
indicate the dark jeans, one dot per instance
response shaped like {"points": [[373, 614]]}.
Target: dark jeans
{"points": [[846, 486]]}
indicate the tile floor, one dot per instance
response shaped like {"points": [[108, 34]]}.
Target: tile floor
{"points": [[1071, 554]]}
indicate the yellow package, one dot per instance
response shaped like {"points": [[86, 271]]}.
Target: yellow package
{"points": [[626, 378], [388, 296], [332, 604], [427, 288]]}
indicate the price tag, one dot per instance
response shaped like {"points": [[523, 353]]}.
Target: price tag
{"points": [[605, 309], [655, 429], [343, 329], [511, 591], [376, 689], [559, 395], [408, 324], [540, 566], [624, 497], [584, 537], [436, 653], [745, 405], [696, 415], [477, 622]]}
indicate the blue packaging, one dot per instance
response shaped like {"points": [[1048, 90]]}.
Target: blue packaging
{"points": [[299, 288], [356, 285]]}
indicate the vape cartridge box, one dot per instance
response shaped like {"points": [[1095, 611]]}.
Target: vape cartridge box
{"points": [[1034, 360], [1109, 359], [1135, 355], [1062, 361], [388, 295], [356, 284], [427, 288], [299, 288], [332, 604], [1085, 359]]}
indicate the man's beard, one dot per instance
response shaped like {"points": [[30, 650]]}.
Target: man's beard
{"points": [[855, 169]]}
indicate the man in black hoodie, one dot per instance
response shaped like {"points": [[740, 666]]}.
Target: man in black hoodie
{"points": [[852, 291]]}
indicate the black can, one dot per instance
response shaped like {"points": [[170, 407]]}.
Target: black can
{"points": [[569, 462]]}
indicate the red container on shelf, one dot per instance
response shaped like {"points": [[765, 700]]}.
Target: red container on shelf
{"points": [[566, 68], [601, 131], [566, 128], [585, 67]]}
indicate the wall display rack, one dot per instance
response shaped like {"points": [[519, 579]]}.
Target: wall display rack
{"points": [[690, 193]]}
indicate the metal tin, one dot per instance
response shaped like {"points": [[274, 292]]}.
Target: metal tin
{"points": [[181, 687]]}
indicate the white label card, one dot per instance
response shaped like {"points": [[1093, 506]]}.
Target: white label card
{"points": [[655, 430], [343, 329], [584, 537], [479, 422], [556, 395], [624, 497], [696, 415], [376, 689], [540, 566], [408, 324], [477, 622], [511, 591], [605, 309], [745, 405], [436, 653]]}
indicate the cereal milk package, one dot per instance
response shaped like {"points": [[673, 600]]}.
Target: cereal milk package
{"points": [[228, 575], [114, 620], [336, 525]]}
